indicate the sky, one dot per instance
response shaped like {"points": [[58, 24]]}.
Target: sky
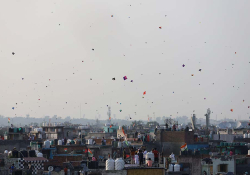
{"points": [[59, 58]]}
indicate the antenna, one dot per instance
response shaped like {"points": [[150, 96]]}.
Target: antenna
{"points": [[109, 113]]}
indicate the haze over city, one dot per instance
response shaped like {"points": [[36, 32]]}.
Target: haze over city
{"points": [[60, 58]]}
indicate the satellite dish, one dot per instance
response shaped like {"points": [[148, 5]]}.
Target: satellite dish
{"points": [[50, 168]]}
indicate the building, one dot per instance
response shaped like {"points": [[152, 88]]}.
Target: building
{"points": [[54, 132]]}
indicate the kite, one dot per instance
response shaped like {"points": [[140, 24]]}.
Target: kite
{"points": [[243, 100], [66, 102], [125, 78], [159, 27], [113, 78], [13, 53], [231, 110], [22, 78], [204, 98], [13, 108], [93, 49], [131, 81], [235, 52], [90, 78], [49, 79], [82, 61], [183, 65], [248, 106], [130, 118], [39, 99], [120, 110], [112, 15], [144, 93], [200, 70], [192, 75]]}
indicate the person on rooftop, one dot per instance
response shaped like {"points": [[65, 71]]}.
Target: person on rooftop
{"points": [[140, 154], [149, 163], [155, 155], [132, 154]]}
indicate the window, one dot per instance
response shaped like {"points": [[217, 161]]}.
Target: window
{"points": [[1, 162], [52, 129], [222, 168]]}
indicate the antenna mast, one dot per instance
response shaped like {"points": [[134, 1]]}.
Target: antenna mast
{"points": [[109, 113]]}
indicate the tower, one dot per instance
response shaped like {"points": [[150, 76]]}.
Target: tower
{"points": [[207, 117]]}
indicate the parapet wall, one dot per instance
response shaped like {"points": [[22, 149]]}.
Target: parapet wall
{"points": [[10, 144]]}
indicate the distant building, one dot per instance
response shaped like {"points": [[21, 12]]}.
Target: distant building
{"points": [[54, 132]]}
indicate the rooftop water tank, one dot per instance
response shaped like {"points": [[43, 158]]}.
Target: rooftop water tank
{"points": [[119, 164], [171, 168], [110, 164], [245, 136], [119, 144], [151, 156], [68, 141], [52, 142], [39, 155], [59, 142], [90, 141], [177, 167], [47, 144]]}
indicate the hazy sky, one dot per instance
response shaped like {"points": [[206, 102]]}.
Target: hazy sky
{"points": [[53, 42]]}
